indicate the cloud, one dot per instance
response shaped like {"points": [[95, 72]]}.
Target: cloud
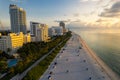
{"points": [[76, 15], [100, 20], [114, 0], [89, 0], [17, 0], [114, 11], [68, 20], [92, 12], [77, 20]]}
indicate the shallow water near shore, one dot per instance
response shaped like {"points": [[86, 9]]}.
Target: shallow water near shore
{"points": [[105, 44]]}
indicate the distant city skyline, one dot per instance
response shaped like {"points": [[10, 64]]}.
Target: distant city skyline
{"points": [[92, 13]]}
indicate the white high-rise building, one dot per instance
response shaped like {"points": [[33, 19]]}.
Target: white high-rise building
{"points": [[51, 32], [17, 19], [62, 24], [40, 31], [58, 30]]}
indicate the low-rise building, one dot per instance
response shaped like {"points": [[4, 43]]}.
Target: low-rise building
{"points": [[33, 39], [13, 41], [27, 38], [0, 34], [5, 43], [16, 40]]}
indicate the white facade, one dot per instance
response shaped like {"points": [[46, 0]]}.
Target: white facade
{"points": [[5, 43], [33, 39], [58, 30], [40, 31], [13, 41], [51, 32]]}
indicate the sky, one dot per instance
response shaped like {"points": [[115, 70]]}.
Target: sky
{"points": [[82, 13]]}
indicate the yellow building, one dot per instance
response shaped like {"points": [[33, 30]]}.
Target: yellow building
{"points": [[27, 38], [0, 34], [44, 32], [16, 40], [13, 41]]}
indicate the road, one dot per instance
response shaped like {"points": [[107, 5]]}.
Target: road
{"points": [[74, 63]]}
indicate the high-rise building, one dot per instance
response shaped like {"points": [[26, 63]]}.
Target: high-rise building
{"points": [[40, 31], [62, 24], [18, 19], [58, 30], [51, 32]]}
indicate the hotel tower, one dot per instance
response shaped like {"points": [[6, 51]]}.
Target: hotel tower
{"points": [[18, 19]]}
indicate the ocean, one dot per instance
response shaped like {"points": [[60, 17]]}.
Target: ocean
{"points": [[105, 43]]}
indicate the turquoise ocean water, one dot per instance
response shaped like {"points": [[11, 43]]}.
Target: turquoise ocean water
{"points": [[105, 43]]}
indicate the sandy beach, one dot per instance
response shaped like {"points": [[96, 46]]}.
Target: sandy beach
{"points": [[76, 61], [112, 75]]}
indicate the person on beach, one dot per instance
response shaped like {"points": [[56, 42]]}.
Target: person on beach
{"points": [[67, 71], [49, 77], [84, 60], [51, 73], [54, 66], [90, 78], [55, 63], [66, 59], [87, 69]]}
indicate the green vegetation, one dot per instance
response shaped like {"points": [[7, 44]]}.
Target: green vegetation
{"points": [[3, 61], [3, 65], [38, 71], [31, 52]]}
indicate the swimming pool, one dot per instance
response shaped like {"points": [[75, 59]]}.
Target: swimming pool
{"points": [[12, 62]]}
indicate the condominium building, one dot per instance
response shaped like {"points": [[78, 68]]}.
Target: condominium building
{"points": [[62, 24], [4, 43], [17, 19], [51, 32], [27, 38], [55, 31], [40, 31], [13, 41], [0, 34], [16, 40]]}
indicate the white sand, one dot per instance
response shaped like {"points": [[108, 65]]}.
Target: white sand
{"points": [[102, 65], [71, 65]]}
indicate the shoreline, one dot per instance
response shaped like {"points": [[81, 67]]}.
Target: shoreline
{"points": [[75, 63], [104, 67]]}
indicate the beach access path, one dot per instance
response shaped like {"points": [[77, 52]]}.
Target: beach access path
{"points": [[74, 62]]}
